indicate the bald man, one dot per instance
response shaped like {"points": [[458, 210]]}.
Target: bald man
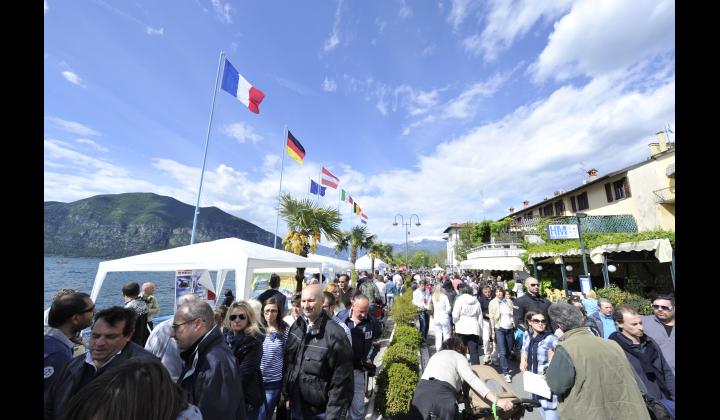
{"points": [[530, 301], [318, 379]]}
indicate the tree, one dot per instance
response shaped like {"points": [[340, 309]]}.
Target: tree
{"points": [[307, 221], [357, 238], [381, 251]]}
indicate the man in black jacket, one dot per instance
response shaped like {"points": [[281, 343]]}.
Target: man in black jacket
{"points": [[274, 292], [530, 301], [210, 375], [110, 345], [318, 377]]}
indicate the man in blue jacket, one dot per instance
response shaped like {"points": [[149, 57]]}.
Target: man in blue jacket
{"points": [[602, 320]]}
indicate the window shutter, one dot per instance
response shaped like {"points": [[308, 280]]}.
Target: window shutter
{"points": [[627, 187], [608, 192], [572, 202]]}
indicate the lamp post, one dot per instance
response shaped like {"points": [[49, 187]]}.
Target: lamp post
{"points": [[407, 227], [582, 242]]}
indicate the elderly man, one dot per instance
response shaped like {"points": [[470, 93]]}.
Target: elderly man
{"points": [[661, 326], [318, 372], [161, 344], [602, 320], [530, 301], [148, 296], [69, 314], [364, 331], [607, 386], [210, 375], [110, 345]]}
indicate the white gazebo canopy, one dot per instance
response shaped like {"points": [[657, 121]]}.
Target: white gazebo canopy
{"points": [[493, 263], [221, 255], [662, 247], [364, 263], [328, 265], [437, 269]]}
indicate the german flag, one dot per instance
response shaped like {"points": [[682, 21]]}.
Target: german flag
{"points": [[295, 149]]}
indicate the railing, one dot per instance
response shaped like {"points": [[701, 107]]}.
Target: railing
{"points": [[606, 224], [665, 195]]}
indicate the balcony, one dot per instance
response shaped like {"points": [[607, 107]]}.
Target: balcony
{"points": [[665, 195]]}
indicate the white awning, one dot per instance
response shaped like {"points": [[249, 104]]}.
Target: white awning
{"points": [[662, 248], [493, 263], [568, 253]]}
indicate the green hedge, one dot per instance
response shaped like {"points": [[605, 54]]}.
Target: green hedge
{"points": [[403, 311], [398, 383], [401, 353], [407, 336], [619, 297]]}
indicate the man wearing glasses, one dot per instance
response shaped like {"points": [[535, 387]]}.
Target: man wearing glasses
{"points": [[530, 301], [210, 371], [661, 326]]}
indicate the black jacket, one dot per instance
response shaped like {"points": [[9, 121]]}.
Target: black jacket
{"points": [[211, 379], [320, 362], [528, 302], [657, 376], [485, 306], [70, 379], [248, 352]]}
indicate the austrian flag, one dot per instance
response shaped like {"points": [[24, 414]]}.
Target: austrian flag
{"points": [[329, 179], [236, 85]]}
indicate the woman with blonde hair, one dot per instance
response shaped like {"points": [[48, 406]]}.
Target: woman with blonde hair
{"points": [[334, 288], [441, 310], [590, 303], [245, 336]]}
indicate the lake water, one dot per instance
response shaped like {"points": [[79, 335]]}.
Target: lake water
{"points": [[79, 274]]}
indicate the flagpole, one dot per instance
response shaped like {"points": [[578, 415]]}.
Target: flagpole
{"points": [[282, 167], [317, 200], [207, 140]]}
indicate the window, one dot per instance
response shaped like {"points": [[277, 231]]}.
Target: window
{"points": [[608, 192], [621, 188], [582, 201], [572, 203], [528, 216], [548, 210], [559, 207]]}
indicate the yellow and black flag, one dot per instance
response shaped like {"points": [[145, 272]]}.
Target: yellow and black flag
{"points": [[295, 149]]}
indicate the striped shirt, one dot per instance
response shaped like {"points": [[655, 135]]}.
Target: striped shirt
{"points": [[271, 364], [543, 349]]}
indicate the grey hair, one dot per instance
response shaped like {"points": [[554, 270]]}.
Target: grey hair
{"points": [[567, 317], [187, 298], [198, 308], [603, 300]]}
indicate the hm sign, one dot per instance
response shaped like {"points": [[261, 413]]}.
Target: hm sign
{"points": [[563, 232]]}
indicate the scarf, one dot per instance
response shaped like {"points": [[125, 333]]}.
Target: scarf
{"points": [[532, 351], [646, 358]]}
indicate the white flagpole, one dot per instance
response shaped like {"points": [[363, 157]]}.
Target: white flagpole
{"points": [[282, 167], [207, 140]]}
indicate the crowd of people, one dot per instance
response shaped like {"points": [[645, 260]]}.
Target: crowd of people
{"points": [[309, 356]]}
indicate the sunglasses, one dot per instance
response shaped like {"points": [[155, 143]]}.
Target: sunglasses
{"points": [[663, 307], [538, 321], [533, 284], [242, 317]]}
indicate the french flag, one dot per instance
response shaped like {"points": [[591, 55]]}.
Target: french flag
{"points": [[236, 85]]}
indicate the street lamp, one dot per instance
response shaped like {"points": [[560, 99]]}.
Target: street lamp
{"points": [[582, 242], [407, 231]]}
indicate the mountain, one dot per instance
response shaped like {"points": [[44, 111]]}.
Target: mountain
{"points": [[120, 225], [427, 245]]}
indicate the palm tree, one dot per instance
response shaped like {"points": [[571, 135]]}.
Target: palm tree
{"points": [[305, 221], [375, 250], [357, 238]]}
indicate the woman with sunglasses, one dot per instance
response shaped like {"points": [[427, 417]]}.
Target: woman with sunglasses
{"points": [[273, 348], [537, 350], [245, 337]]}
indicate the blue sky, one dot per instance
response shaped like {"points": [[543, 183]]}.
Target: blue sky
{"points": [[454, 110]]}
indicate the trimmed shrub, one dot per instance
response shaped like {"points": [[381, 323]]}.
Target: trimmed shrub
{"points": [[407, 336], [401, 353], [401, 388], [403, 311]]}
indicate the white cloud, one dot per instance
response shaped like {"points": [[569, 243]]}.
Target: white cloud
{"points": [[329, 85], [334, 40], [405, 11], [72, 78], [508, 20], [92, 144], [46, 7], [459, 11], [223, 10], [241, 132], [600, 37], [429, 50], [490, 203], [270, 161], [153, 31], [463, 105], [73, 127]]}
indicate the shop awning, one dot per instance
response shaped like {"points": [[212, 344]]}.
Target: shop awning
{"points": [[556, 255], [493, 263], [662, 247]]}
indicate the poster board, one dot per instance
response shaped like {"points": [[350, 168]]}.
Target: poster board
{"points": [[197, 282], [585, 284]]}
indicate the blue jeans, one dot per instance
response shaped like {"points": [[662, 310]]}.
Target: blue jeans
{"points": [[504, 341], [272, 396], [549, 414], [424, 320]]}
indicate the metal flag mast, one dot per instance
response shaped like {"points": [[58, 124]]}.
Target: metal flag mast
{"points": [[282, 167], [207, 141]]}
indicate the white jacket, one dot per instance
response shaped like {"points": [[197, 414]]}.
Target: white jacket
{"points": [[467, 315], [441, 308]]}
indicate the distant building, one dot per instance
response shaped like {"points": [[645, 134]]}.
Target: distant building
{"points": [[645, 190], [453, 238]]}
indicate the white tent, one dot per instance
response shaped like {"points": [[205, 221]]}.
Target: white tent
{"points": [[222, 256], [329, 266], [493, 263], [364, 263], [437, 269]]}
